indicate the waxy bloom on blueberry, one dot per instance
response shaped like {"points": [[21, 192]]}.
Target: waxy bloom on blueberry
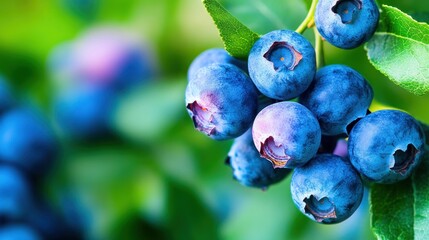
{"points": [[327, 189], [386, 146], [346, 23], [282, 64], [214, 55], [249, 168], [338, 96], [222, 101], [287, 134]]}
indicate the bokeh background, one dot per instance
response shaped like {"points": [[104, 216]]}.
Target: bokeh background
{"points": [[155, 176]]}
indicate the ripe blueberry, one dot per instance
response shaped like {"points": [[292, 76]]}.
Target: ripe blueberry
{"points": [[27, 141], [282, 64], [214, 55], [386, 146], [249, 168], [287, 134], [84, 112], [327, 189], [337, 96], [346, 23], [222, 101]]}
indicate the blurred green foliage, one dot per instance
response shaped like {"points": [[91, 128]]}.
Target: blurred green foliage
{"points": [[158, 178]]}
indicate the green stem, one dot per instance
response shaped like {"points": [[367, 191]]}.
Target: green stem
{"points": [[308, 19], [320, 56]]}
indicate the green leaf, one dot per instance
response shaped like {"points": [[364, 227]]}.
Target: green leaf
{"points": [[421, 203], [400, 50], [392, 210], [401, 210], [237, 38], [263, 16], [189, 217], [148, 111]]}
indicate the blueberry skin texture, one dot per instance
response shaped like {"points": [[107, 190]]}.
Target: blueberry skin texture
{"points": [[214, 55], [386, 146], [287, 134], [327, 189], [337, 96], [18, 232], [249, 168], [222, 101], [353, 24], [282, 64], [15, 194], [84, 112], [27, 141]]}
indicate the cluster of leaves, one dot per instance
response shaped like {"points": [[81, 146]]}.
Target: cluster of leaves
{"points": [[400, 50]]}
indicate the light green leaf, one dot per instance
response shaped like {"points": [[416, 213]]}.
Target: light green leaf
{"points": [[237, 38], [263, 16], [147, 112], [401, 210], [400, 50]]}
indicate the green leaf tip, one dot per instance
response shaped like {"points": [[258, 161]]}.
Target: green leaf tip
{"points": [[400, 50], [237, 38]]}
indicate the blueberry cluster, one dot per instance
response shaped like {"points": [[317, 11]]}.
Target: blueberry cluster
{"points": [[91, 73], [286, 114], [28, 150]]}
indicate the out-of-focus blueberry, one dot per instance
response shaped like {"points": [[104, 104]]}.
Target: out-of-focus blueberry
{"points": [[27, 141], [85, 112], [222, 101], [386, 146], [214, 55], [18, 232], [105, 56], [327, 189], [51, 224], [16, 199], [346, 23], [282, 64], [337, 96], [287, 134], [249, 168]]}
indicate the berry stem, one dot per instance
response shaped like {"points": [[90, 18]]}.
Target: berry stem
{"points": [[308, 19], [320, 58]]}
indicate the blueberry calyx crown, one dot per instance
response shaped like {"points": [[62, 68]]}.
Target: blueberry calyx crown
{"points": [[202, 118], [320, 209], [404, 159], [283, 55], [347, 9], [274, 153]]}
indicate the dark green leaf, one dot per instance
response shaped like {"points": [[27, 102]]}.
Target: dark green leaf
{"points": [[237, 38], [421, 203], [401, 210], [400, 50], [188, 217], [392, 210]]}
